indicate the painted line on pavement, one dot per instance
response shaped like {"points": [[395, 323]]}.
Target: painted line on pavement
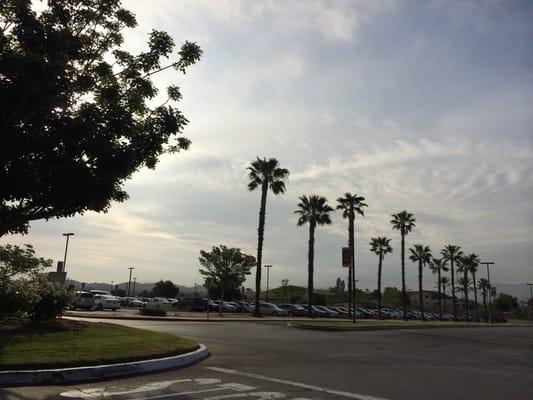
{"points": [[296, 384]]}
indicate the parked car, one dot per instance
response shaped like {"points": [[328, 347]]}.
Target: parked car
{"points": [[343, 313], [83, 300], [226, 307], [103, 301], [272, 309], [157, 302], [328, 313], [106, 292], [135, 303], [315, 311], [193, 304], [294, 310]]}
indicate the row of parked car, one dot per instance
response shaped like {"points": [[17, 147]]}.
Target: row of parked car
{"points": [[102, 299]]}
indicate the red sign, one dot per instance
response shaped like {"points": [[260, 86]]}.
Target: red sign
{"points": [[346, 257]]}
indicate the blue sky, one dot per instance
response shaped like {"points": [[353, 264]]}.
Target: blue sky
{"points": [[418, 105]]}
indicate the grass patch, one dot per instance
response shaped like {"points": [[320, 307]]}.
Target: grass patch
{"points": [[386, 325], [67, 343]]}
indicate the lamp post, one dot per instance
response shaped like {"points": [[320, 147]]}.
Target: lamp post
{"points": [[111, 291], [134, 281], [530, 293], [268, 278], [129, 281], [488, 263], [284, 284], [68, 235]]}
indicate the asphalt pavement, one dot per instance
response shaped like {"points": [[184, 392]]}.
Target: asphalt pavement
{"points": [[268, 360]]}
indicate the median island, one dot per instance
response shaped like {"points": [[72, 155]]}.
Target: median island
{"points": [[64, 343], [387, 325]]}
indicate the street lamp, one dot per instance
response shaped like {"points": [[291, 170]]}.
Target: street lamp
{"points": [[530, 292], [134, 281], [129, 281], [268, 278], [68, 235], [488, 263]]}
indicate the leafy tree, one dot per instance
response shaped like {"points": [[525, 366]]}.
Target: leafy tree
{"points": [[315, 211], [225, 269], [264, 174], [165, 289], [351, 204], [505, 302], [144, 293], [75, 119], [392, 297], [422, 255], [437, 266], [119, 292], [403, 222], [452, 253], [24, 287], [380, 246]]}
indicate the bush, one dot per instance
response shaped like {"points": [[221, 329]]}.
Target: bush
{"points": [[52, 301], [152, 311]]}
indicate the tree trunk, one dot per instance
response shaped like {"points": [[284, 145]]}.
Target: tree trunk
{"points": [[404, 295], [351, 305], [221, 300], [260, 237], [465, 288], [379, 284], [486, 318], [440, 297], [444, 292], [420, 294], [453, 291], [475, 295], [352, 249], [310, 261]]}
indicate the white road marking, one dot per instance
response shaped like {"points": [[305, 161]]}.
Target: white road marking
{"points": [[97, 393], [238, 387], [296, 384], [162, 396]]}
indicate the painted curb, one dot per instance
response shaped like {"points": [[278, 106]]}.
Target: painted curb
{"points": [[95, 372]]}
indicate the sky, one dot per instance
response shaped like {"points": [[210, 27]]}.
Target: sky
{"points": [[419, 105]]}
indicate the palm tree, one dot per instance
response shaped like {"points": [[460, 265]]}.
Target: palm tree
{"points": [[462, 267], [484, 286], [437, 266], [404, 222], [312, 210], [465, 284], [451, 253], [380, 246], [265, 174], [422, 255], [473, 264], [351, 204], [445, 282]]}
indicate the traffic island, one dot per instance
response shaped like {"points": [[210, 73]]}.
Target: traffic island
{"points": [[66, 351], [389, 325]]}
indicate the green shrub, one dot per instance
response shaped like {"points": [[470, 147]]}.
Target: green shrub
{"points": [[152, 311]]}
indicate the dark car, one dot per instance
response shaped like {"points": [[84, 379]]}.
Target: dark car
{"points": [[293, 310], [315, 311], [193, 304]]}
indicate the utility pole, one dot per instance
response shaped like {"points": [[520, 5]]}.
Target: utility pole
{"points": [[129, 281], [488, 263], [68, 235], [268, 278]]}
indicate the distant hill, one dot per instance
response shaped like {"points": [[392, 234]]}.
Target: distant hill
{"points": [[139, 287]]}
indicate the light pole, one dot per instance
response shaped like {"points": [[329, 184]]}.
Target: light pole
{"points": [[268, 278], [129, 281], [488, 263], [111, 291], [134, 281], [530, 293], [68, 235], [284, 283]]}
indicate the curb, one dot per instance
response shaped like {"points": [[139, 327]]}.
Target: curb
{"points": [[96, 372]]}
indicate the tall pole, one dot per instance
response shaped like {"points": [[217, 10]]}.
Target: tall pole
{"points": [[268, 278], [68, 235], [134, 281], [530, 293], [129, 281], [111, 291], [490, 288]]}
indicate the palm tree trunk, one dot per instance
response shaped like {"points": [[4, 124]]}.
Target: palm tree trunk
{"points": [[352, 248], [440, 297], [379, 284], [484, 293], [420, 294], [351, 304], [404, 295], [475, 295], [466, 294], [444, 292], [310, 261], [260, 237], [453, 291]]}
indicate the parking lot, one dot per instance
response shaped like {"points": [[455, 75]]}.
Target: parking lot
{"points": [[267, 357]]}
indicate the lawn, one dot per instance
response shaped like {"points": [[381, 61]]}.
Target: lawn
{"points": [[68, 343], [384, 325]]}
